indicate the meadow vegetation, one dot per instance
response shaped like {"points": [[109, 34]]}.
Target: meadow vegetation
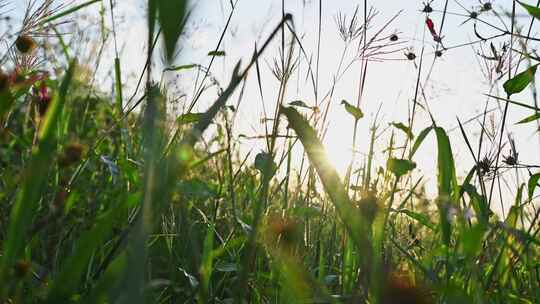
{"points": [[108, 198]]}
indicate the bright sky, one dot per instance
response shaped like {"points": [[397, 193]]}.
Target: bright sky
{"points": [[455, 88]]}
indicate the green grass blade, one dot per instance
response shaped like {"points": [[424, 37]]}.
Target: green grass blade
{"points": [[69, 11], [329, 177], [27, 201], [67, 282]]}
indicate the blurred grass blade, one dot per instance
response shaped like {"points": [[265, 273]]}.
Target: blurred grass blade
{"points": [[69, 11], [36, 173], [171, 16], [118, 86], [532, 10], [419, 140]]}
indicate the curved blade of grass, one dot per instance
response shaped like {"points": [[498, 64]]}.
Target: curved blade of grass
{"points": [[27, 201], [532, 184], [329, 177], [447, 182], [419, 140], [445, 164], [520, 81]]}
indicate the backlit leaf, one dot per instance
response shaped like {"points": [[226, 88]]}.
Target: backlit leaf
{"points": [[520, 81], [354, 111], [400, 167]]}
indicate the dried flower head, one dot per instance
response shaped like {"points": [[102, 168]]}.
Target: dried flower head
{"points": [[487, 6], [25, 44], [427, 7], [410, 55], [72, 154], [21, 268], [484, 165]]}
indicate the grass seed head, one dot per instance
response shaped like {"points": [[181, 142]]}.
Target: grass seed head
{"points": [[427, 8]]}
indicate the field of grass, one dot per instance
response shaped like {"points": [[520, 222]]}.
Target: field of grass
{"points": [[122, 200]]}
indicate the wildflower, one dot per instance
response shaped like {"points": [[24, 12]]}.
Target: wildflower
{"points": [[43, 99], [468, 214], [431, 26], [25, 44]]}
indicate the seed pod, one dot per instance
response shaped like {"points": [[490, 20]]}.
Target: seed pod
{"points": [[72, 154], [25, 44], [427, 8], [21, 268]]}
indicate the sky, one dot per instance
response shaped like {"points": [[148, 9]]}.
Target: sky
{"points": [[456, 86]]}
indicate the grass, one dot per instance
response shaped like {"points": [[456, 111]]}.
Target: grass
{"points": [[122, 201]]}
